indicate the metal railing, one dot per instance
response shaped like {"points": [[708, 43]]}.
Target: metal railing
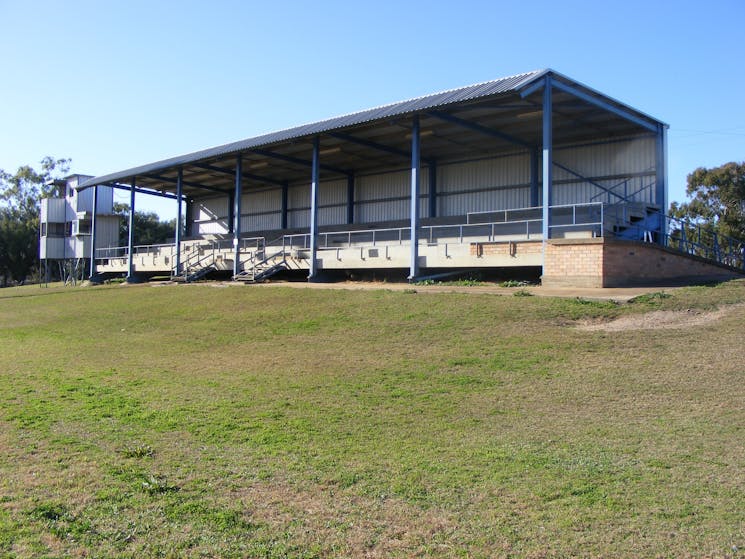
{"points": [[123, 251], [587, 216]]}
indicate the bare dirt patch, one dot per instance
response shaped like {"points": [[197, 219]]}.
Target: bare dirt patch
{"points": [[657, 320]]}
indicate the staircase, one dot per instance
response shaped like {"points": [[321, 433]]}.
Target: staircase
{"points": [[260, 267], [199, 264], [634, 221]]}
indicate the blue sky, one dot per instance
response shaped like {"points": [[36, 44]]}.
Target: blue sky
{"points": [[114, 84]]}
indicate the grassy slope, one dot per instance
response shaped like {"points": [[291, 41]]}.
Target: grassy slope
{"points": [[179, 421]]}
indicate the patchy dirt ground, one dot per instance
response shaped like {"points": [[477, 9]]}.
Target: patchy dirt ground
{"points": [[657, 320]]}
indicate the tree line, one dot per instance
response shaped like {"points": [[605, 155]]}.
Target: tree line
{"points": [[20, 210]]}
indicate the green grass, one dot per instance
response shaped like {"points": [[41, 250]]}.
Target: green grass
{"points": [[188, 421]]}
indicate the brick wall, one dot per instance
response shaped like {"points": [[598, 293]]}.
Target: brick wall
{"points": [[506, 248], [610, 263], [632, 263]]}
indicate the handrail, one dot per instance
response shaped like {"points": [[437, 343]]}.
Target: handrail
{"points": [[488, 229]]}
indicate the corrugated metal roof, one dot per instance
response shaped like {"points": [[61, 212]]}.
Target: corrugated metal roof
{"points": [[461, 94]]}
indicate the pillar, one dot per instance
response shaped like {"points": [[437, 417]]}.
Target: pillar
{"points": [[131, 233], [237, 214], [93, 234], [179, 223], [414, 262], [314, 210]]}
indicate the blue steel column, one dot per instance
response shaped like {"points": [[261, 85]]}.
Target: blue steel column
{"points": [[179, 223], [661, 174], [231, 212], [314, 210], [414, 263], [188, 216], [237, 215], [285, 189], [432, 169], [534, 188], [350, 199], [131, 233], [547, 161], [93, 233]]}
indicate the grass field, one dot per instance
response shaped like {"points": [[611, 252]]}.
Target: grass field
{"points": [[194, 421]]}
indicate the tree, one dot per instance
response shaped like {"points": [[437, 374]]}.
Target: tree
{"points": [[717, 199], [20, 202], [149, 230]]}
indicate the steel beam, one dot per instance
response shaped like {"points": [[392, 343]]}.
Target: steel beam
{"points": [[447, 117], [237, 214], [315, 175], [298, 161], [179, 223], [415, 156], [131, 232], [250, 176], [350, 199], [184, 183], [93, 234], [140, 190], [548, 156], [370, 144], [600, 103]]}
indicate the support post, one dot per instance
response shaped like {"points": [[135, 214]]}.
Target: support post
{"points": [[231, 212], [547, 161], [188, 216], [432, 199], [350, 199], [661, 174], [285, 193], [92, 274], [179, 222], [415, 153], [315, 166], [237, 214], [131, 233], [534, 184]]}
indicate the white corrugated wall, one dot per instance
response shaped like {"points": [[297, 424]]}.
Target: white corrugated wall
{"points": [[500, 183], [611, 166]]}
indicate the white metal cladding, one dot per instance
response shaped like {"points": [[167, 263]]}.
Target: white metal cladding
{"points": [[210, 209], [52, 248], [484, 174], [629, 156], [217, 227], [105, 200], [372, 212], [298, 219], [639, 189], [83, 200], [385, 185], [53, 210], [494, 199], [298, 197], [107, 231], [333, 215], [261, 222], [261, 201], [332, 192], [488, 184]]}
